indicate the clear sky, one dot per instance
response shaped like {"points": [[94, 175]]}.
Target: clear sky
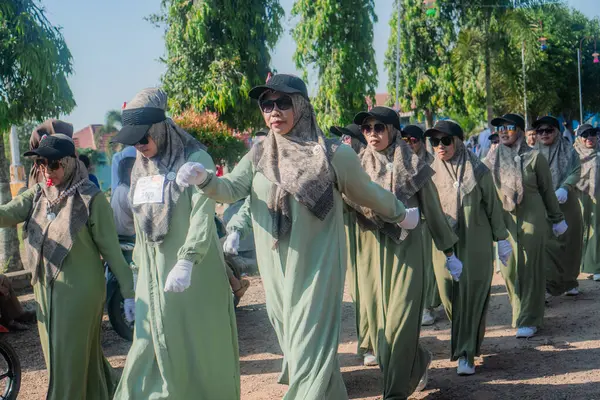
{"points": [[116, 52]]}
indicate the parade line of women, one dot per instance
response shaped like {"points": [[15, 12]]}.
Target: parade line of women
{"points": [[407, 229]]}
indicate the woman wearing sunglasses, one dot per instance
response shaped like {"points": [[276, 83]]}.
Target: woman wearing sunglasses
{"points": [[524, 183], [391, 261], [295, 178], [47, 128], [66, 232], [564, 251], [185, 340], [472, 207], [586, 146]]}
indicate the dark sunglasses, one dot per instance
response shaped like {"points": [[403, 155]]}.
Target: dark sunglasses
{"points": [[547, 131], [589, 133], [283, 103], [410, 139], [51, 165], [446, 141], [368, 129], [506, 128], [143, 141]]}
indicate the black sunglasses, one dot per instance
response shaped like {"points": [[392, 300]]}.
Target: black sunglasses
{"points": [[445, 140], [143, 141], [589, 133], [51, 165], [283, 103], [368, 129], [547, 131]]}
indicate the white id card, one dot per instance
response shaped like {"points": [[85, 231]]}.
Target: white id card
{"points": [[149, 190]]}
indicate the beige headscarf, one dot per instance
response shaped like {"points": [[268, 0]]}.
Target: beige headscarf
{"points": [[424, 155], [506, 164], [48, 127], [590, 163], [455, 179], [397, 169], [560, 158], [174, 147], [48, 242], [298, 164]]}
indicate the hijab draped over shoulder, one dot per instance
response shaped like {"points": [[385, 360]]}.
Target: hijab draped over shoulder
{"points": [[590, 162]]}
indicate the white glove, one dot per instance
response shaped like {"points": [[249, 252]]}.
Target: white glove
{"points": [[191, 174], [180, 277], [560, 228], [504, 251], [562, 195], [232, 243], [411, 219], [454, 266], [129, 306]]}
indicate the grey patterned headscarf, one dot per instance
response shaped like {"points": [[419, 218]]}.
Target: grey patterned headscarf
{"points": [[298, 164], [48, 242], [590, 163], [560, 157], [397, 169], [506, 164], [424, 155], [455, 179], [174, 147]]}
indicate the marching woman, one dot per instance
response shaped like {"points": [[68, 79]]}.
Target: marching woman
{"points": [[295, 179], [47, 128], [524, 183], [185, 341], [390, 261], [586, 145], [472, 207], [66, 235], [565, 251]]}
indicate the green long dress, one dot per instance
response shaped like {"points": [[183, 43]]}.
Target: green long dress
{"points": [[185, 344], [525, 273], [394, 275], [591, 218], [304, 275], [466, 301], [69, 311]]}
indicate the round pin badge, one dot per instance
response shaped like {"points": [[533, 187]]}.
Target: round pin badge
{"points": [[390, 167], [456, 185], [517, 159], [171, 176]]}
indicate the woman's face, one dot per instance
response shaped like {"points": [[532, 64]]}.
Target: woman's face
{"points": [[278, 112], [52, 170], [531, 137], [414, 143], [590, 141], [444, 151], [547, 134], [509, 135], [147, 146], [376, 133]]}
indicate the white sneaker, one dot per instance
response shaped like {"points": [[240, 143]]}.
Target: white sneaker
{"points": [[464, 368], [369, 360], [423, 382], [526, 332], [573, 292], [428, 318], [597, 277]]}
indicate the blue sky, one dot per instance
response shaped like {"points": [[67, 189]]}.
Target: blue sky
{"points": [[116, 52]]}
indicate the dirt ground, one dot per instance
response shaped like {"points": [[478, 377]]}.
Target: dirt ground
{"points": [[562, 362]]}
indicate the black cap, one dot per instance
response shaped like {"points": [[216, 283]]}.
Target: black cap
{"points": [[547, 120], [283, 83], [448, 127], [351, 130], [137, 123], [585, 128], [383, 114], [414, 131], [53, 148], [514, 119]]}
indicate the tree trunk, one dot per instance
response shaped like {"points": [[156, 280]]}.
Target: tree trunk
{"points": [[428, 119], [10, 256], [488, 85]]}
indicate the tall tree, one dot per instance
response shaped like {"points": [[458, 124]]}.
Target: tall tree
{"points": [[216, 51], [335, 38], [34, 65]]}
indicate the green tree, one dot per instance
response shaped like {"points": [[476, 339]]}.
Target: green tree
{"points": [[217, 50], [335, 38], [112, 123], [34, 65]]}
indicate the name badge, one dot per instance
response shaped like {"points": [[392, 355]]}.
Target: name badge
{"points": [[149, 190]]}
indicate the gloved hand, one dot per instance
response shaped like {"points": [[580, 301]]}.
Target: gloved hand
{"points": [[191, 174], [504, 251], [232, 243], [129, 306], [411, 219], [180, 277], [562, 195], [560, 228], [455, 266]]}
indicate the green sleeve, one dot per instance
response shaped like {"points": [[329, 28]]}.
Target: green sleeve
{"points": [[571, 181], [546, 189], [104, 233], [493, 207], [232, 187], [354, 182], [431, 208], [17, 210], [202, 218], [242, 220]]}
